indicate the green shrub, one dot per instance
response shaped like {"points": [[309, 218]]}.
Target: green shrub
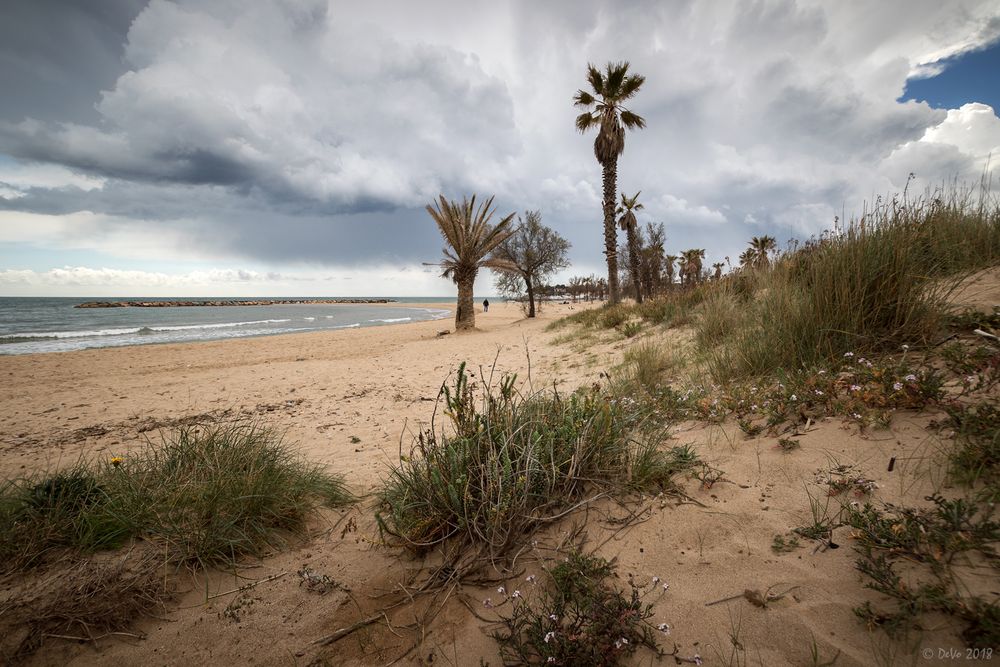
{"points": [[614, 316], [643, 367], [579, 619], [511, 462], [212, 494], [882, 283]]}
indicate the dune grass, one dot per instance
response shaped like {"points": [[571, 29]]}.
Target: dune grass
{"points": [[882, 283], [513, 463], [211, 494]]}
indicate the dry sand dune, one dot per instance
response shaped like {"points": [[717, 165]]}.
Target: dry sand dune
{"points": [[327, 389]]}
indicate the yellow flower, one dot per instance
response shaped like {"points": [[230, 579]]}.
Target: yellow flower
{"points": [[116, 461]]}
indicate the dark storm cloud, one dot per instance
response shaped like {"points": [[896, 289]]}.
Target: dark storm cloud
{"points": [[311, 131], [57, 56]]}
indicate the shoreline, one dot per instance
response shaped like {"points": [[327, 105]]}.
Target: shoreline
{"points": [[211, 303], [428, 306]]}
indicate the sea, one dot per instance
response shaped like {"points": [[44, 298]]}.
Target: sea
{"points": [[52, 324]]}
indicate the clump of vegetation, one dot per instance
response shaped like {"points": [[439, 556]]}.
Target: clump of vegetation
{"points": [[84, 600], [579, 619], [785, 544], [880, 284], [513, 461], [933, 537], [977, 455], [788, 444], [631, 329], [211, 494]]}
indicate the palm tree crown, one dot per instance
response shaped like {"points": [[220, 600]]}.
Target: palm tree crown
{"points": [[469, 235], [760, 248], [626, 210], [605, 108]]}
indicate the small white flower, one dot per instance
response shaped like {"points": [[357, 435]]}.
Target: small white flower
{"points": [[666, 586], [910, 378], [697, 659], [516, 594], [970, 379], [488, 603], [855, 387], [656, 580], [549, 636], [621, 642], [897, 386], [664, 628], [848, 355], [530, 579], [553, 617], [754, 407], [793, 397], [905, 347], [856, 415], [501, 590], [550, 660], [819, 393]]}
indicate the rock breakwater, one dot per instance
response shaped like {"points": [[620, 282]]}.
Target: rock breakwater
{"points": [[223, 302]]}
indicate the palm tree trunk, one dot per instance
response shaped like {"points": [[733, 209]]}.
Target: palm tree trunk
{"points": [[611, 229], [531, 296], [633, 260], [465, 313]]}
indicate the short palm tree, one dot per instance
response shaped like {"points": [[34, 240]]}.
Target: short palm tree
{"points": [[470, 238], [718, 271], [605, 111], [760, 248], [691, 265], [626, 220]]}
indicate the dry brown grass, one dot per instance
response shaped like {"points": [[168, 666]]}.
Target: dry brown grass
{"points": [[81, 600]]}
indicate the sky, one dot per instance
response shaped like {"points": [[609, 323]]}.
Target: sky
{"points": [[289, 147]]}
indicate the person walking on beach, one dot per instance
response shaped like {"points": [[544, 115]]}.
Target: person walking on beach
{"points": [[486, 305]]}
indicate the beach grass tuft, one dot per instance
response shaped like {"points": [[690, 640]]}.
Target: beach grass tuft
{"points": [[513, 463], [210, 494]]}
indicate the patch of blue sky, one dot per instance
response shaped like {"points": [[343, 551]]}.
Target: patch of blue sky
{"points": [[970, 77]]}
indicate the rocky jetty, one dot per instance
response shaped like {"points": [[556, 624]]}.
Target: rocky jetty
{"points": [[222, 302]]}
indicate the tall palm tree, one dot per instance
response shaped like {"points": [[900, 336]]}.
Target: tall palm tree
{"points": [[761, 247], [626, 212], [470, 238], [605, 111]]}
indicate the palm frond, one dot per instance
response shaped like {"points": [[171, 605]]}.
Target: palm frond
{"points": [[630, 86], [595, 79], [616, 73], [585, 121], [583, 99], [632, 120]]}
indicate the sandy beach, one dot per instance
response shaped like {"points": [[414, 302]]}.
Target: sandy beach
{"points": [[351, 399], [321, 389]]}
